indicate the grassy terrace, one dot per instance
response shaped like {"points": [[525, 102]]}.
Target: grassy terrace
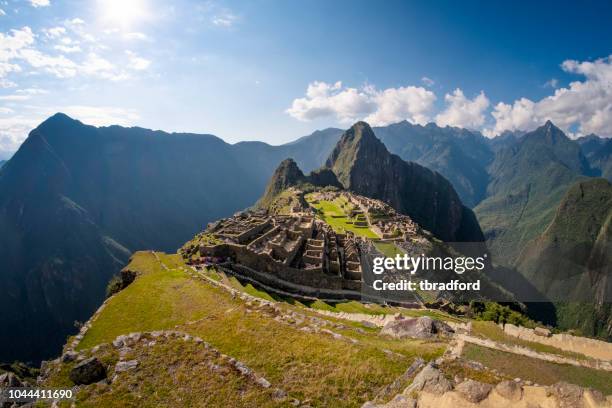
{"points": [[309, 366], [332, 213], [538, 371], [389, 249], [490, 330]]}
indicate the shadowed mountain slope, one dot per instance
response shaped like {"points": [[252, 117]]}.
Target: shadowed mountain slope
{"points": [[572, 260], [76, 200], [362, 164]]}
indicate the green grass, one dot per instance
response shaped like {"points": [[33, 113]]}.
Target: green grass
{"points": [[538, 371], [389, 249], [332, 214], [492, 331], [326, 371]]}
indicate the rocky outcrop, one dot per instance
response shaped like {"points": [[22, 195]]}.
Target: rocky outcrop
{"points": [[474, 391], [88, 371], [431, 389], [430, 379], [362, 164], [419, 327]]}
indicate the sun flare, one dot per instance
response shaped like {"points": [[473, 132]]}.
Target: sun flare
{"points": [[122, 13]]}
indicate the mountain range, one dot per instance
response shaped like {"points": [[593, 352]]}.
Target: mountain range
{"points": [[77, 200], [363, 164], [527, 181], [571, 261], [598, 152]]}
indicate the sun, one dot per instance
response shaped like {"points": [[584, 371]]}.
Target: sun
{"points": [[122, 13]]}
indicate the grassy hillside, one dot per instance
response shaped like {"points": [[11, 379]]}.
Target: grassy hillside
{"points": [[310, 366], [341, 363]]}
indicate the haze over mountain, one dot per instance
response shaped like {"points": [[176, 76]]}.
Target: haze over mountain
{"points": [[528, 180], [571, 261], [598, 152], [76, 200]]}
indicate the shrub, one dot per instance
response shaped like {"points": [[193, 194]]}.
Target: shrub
{"points": [[114, 285]]}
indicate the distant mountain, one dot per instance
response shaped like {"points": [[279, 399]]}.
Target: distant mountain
{"points": [[598, 152], [571, 261], [2, 163], [363, 165], [528, 180], [505, 139], [460, 155], [76, 200]]}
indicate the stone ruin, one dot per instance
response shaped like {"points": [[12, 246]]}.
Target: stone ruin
{"points": [[297, 248]]}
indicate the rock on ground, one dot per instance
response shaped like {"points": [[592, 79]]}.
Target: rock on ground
{"points": [[474, 391], [88, 371], [510, 390], [430, 379], [418, 327]]}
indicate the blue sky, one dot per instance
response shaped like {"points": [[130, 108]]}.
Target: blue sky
{"points": [[276, 70]]}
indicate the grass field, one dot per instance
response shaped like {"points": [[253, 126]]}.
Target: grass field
{"points": [[539, 371], [490, 330], [389, 249], [332, 214], [309, 366]]}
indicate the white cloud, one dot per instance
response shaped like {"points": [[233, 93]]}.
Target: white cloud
{"points": [[5, 83], [6, 111], [463, 112], [54, 32], [405, 103], [551, 83], [11, 44], [350, 104], [224, 19], [137, 63], [59, 66], [72, 23], [40, 3], [13, 130], [6, 67], [135, 36], [32, 91], [66, 49], [2, 13], [15, 127], [428, 81], [585, 105], [14, 97]]}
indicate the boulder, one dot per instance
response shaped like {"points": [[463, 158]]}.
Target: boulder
{"points": [[443, 328], [88, 371], [510, 390], [430, 379], [474, 391], [420, 328], [568, 395]]}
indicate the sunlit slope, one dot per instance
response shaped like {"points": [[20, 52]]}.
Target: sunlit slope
{"points": [[324, 368]]}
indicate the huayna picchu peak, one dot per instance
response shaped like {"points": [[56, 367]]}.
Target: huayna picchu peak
{"points": [[363, 165]]}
